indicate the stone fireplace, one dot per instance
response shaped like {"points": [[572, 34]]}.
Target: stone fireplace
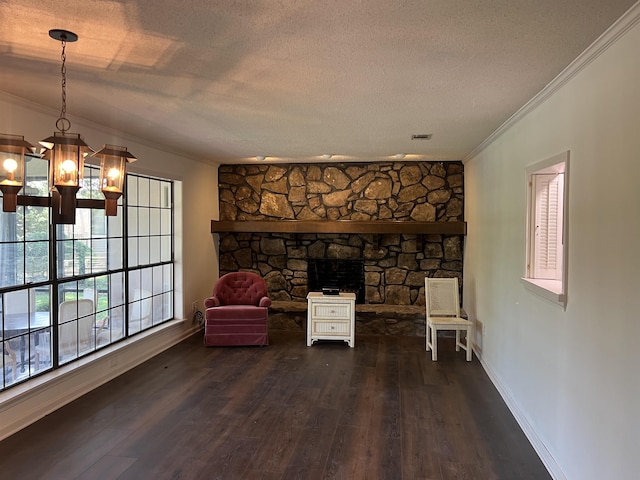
{"points": [[394, 264]]}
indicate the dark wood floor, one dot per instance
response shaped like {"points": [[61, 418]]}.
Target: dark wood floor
{"points": [[380, 411]]}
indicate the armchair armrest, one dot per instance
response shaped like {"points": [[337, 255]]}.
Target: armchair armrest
{"points": [[211, 302], [265, 302]]}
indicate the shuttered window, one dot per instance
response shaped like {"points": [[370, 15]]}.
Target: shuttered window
{"points": [[547, 243], [546, 248]]}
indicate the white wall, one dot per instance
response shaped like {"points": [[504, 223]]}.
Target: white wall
{"points": [[196, 262], [570, 377]]}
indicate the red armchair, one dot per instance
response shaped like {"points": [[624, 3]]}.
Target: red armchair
{"points": [[237, 313]]}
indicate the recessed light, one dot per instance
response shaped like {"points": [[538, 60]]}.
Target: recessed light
{"points": [[422, 136]]}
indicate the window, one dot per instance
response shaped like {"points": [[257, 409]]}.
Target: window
{"points": [[70, 290], [150, 253], [545, 270]]}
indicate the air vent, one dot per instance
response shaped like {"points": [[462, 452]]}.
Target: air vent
{"points": [[422, 136]]}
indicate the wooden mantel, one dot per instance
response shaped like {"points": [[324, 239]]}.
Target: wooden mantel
{"points": [[339, 226]]}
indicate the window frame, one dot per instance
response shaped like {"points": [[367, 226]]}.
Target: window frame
{"points": [[552, 289], [60, 281]]}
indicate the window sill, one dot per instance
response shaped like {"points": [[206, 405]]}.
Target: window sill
{"points": [[548, 289]]}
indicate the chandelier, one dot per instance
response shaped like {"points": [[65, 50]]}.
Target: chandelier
{"points": [[66, 153]]}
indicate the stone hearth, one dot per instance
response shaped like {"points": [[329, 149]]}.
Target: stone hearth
{"points": [[370, 319]]}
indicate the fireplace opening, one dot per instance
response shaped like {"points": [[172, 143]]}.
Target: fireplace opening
{"points": [[344, 274]]}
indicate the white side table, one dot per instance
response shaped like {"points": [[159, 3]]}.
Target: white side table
{"points": [[331, 317]]}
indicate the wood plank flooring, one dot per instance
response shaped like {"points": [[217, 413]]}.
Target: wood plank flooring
{"points": [[382, 410]]}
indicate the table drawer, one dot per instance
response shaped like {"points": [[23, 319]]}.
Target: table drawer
{"points": [[330, 328], [331, 311]]}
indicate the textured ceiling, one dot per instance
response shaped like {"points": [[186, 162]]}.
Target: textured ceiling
{"points": [[226, 80]]}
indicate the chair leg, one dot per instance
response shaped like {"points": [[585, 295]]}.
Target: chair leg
{"points": [[469, 344], [457, 340], [426, 338], [434, 344], [14, 370]]}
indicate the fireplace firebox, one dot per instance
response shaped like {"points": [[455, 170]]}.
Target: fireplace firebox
{"points": [[345, 274]]}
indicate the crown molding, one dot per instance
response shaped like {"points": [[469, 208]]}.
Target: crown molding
{"points": [[81, 122]]}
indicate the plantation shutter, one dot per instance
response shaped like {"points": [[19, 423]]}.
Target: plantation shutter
{"points": [[547, 254]]}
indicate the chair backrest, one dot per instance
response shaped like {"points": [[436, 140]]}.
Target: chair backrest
{"points": [[90, 294], [72, 309], [442, 297], [78, 333], [140, 307], [20, 302], [240, 288]]}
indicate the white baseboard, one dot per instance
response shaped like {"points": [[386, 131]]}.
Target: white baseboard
{"points": [[25, 404], [538, 445]]}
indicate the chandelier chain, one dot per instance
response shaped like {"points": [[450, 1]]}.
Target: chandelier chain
{"points": [[63, 124]]}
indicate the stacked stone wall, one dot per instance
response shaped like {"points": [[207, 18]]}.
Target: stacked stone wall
{"points": [[395, 265]]}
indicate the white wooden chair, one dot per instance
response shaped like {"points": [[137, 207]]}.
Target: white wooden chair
{"points": [[76, 334], [140, 309], [77, 320], [443, 313]]}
